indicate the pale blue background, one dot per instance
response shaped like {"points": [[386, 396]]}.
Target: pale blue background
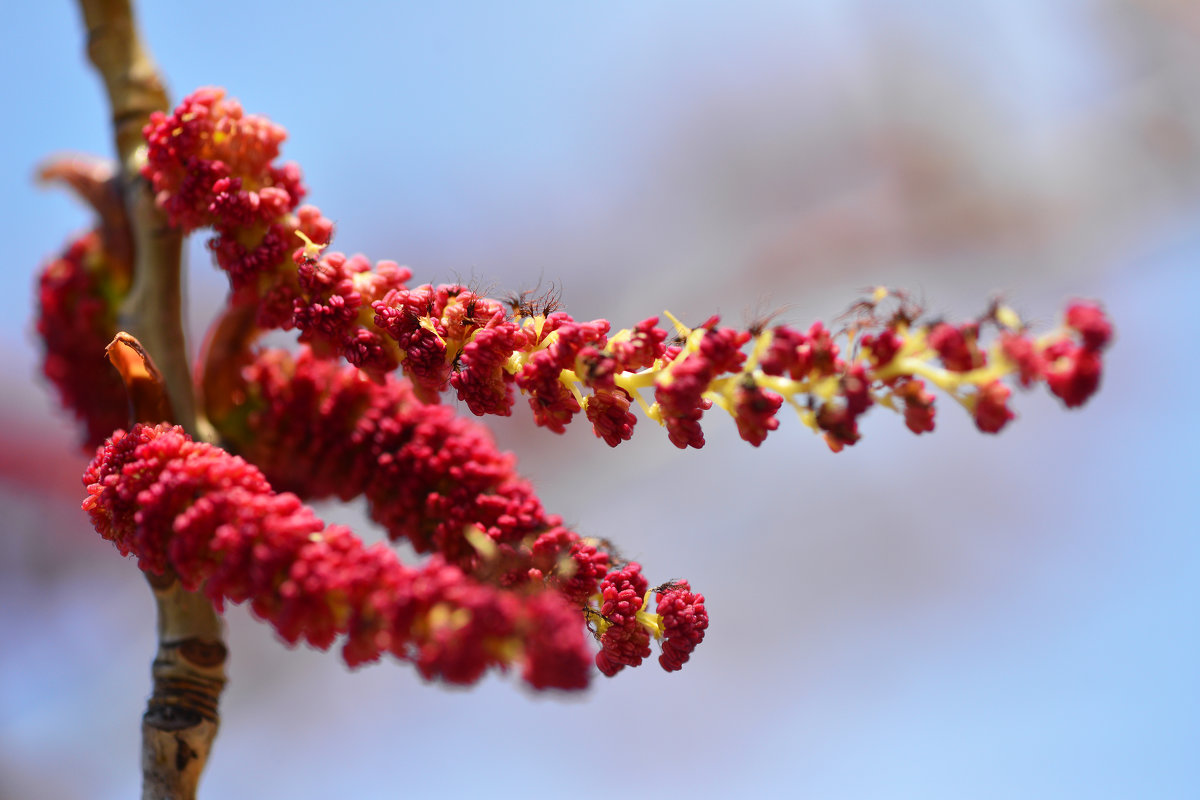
{"points": [[954, 616]]}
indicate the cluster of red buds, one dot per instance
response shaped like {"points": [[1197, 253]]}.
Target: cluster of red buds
{"points": [[78, 294], [75, 323], [450, 337], [214, 520], [506, 583], [437, 480]]}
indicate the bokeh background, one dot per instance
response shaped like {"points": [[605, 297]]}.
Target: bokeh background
{"points": [[948, 616]]}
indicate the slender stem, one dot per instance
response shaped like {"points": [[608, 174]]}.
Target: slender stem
{"points": [[152, 310], [223, 355], [181, 718]]}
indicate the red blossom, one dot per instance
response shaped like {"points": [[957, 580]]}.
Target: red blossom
{"points": [[552, 402], [882, 347], [1031, 367], [680, 392], [682, 401], [213, 165], [839, 424], [642, 347], [625, 642], [595, 369], [77, 299], [789, 354], [1091, 323], [919, 410], [214, 520], [565, 341], [429, 476], [956, 346], [1073, 371], [754, 411], [802, 356], [333, 303], [608, 411], [322, 429], [505, 582], [856, 389], [1075, 376], [991, 407], [573, 565], [210, 164], [481, 380], [246, 264], [684, 619]]}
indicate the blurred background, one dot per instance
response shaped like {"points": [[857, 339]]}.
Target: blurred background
{"points": [[949, 616]]}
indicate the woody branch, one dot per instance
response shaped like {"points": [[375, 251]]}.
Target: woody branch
{"points": [[181, 718]]}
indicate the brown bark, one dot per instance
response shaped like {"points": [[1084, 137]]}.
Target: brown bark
{"points": [[181, 718], [152, 310]]}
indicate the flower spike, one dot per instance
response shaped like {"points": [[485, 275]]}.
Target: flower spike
{"points": [[450, 337], [78, 294], [214, 520], [322, 429]]}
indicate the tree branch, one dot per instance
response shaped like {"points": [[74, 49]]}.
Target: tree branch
{"points": [[181, 718], [153, 309]]}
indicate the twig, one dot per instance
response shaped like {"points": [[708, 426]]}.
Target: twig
{"points": [[181, 717], [152, 310]]}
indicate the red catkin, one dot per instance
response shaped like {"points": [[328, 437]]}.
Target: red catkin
{"points": [[213, 520]]}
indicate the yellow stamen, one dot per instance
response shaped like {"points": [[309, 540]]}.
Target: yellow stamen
{"points": [[482, 543], [682, 330], [312, 250], [650, 621], [1008, 318], [427, 324]]}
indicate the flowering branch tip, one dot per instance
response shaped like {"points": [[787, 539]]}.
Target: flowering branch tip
{"points": [[356, 412]]}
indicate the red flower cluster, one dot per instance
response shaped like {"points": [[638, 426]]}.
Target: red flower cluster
{"points": [[624, 626], [213, 519], [78, 294], [684, 620], [449, 336], [507, 583], [1070, 368], [210, 165], [320, 429]]}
